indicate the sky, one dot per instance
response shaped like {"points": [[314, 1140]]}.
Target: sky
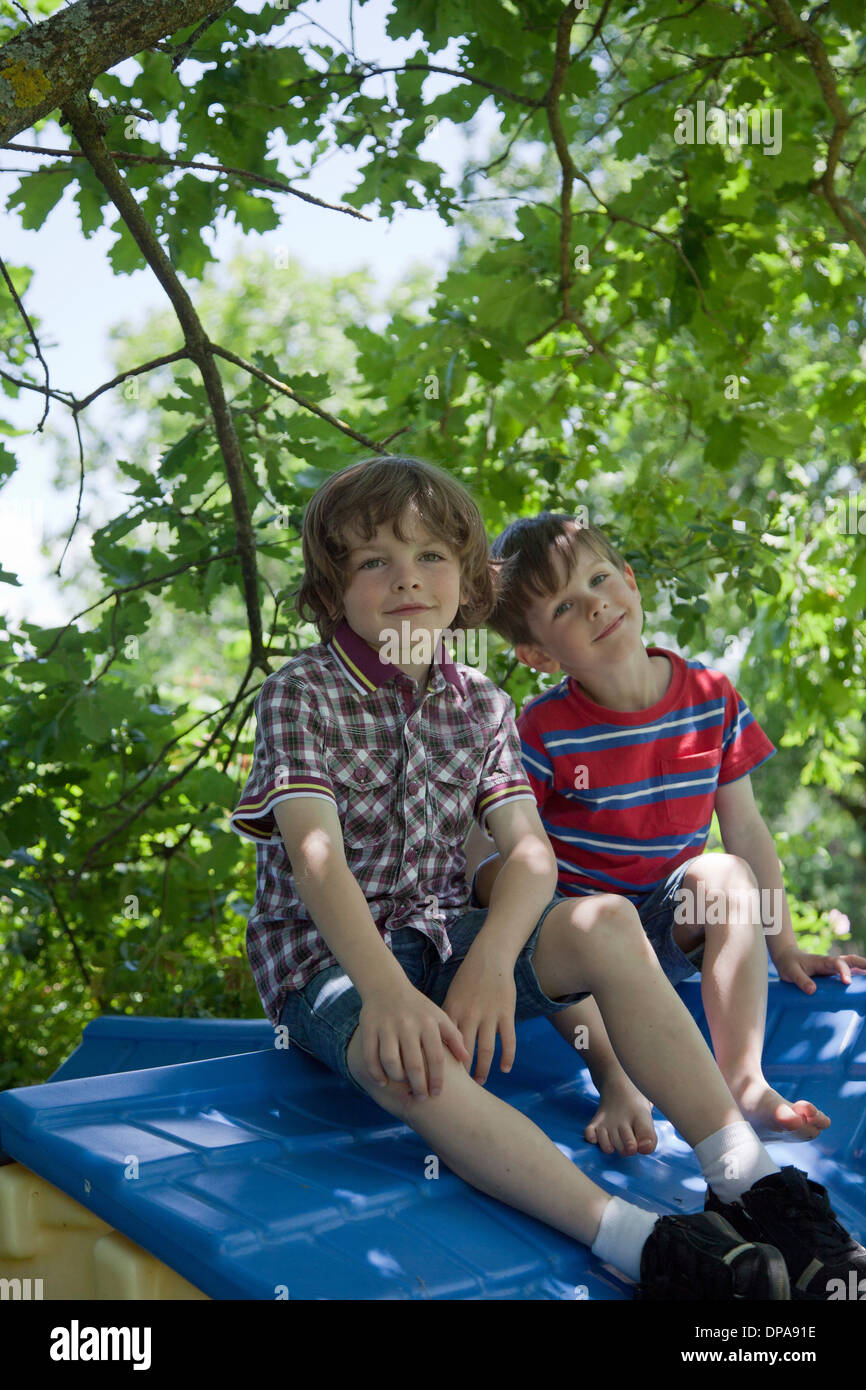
{"points": [[77, 299]]}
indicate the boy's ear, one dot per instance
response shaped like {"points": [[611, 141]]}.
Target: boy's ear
{"points": [[536, 658]]}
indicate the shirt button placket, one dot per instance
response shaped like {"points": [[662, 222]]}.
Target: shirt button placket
{"points": [[413, 789]]}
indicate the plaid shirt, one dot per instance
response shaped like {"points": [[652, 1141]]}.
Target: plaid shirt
{"points": [[406, 774]]}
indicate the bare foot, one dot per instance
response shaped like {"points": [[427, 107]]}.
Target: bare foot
{"points": [[773, 1117], [623, 1120]]}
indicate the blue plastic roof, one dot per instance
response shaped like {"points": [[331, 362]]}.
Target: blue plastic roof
{"points": [[120, 1043], [263, 1175]]}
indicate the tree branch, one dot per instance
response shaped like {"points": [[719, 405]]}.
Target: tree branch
{"points": [[815, 51], [301, 400], [133, 371], [82, 968], [172, 781], [30, 329], [183, 49], [127, 157], [130, 588], [569, 170], [87, 131], [366, 70], [145, 772], [44, 66]]}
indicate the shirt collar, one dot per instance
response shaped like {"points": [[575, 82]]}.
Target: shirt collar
{"points": [[367, 671]]}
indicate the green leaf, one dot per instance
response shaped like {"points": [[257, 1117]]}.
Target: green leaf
{"points": [[208, 784], [724, 442], [765, 440], [795, 162], [8, 463], [770, 580], [90, 208], [582, 79], [38, 193], [124, 254], [254, 214], [177, 459], [18, 889], [147, 485], [99, 710]]}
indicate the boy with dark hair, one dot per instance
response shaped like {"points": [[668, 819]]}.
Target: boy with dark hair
{"points": [[367, 775], [628, 757]]}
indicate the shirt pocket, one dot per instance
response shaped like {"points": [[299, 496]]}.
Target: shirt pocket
{"points": [[365, 785], [689, 787], [452, 790]]}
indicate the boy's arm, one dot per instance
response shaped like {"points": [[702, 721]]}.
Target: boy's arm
{"points": [[482, 864], [745, 834], [313, 837], [477, 847], [522, 888], [518, 753], [524, 885]]}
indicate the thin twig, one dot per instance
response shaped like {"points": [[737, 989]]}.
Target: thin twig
{"points": [[296, 396], [130, 588], [171, 782], [126, 157], [31, 330]]}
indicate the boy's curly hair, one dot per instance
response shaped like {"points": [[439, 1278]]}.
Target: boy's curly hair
{"points": [[370, 494], [525, 567]]}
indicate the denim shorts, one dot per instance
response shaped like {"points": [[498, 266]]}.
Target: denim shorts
{"points": [[657, 919], [322, 1016]]}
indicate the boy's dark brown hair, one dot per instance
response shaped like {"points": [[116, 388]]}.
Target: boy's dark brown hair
{"points": [[525, 567], [370, 494]]}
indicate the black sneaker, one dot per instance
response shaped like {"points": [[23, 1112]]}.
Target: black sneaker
{"points": [[702, 1256], [794, 1213]]}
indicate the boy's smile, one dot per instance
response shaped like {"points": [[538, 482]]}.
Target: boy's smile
{"points": [[591, 629], [612, 627], [393, 582]]}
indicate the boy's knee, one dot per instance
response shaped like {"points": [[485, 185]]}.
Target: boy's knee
{"points": [[723, 892], [605, 908], [603, 912], [722, 871]]}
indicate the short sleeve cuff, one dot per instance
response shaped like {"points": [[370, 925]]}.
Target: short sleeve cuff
{"points": [[497, 796], [253, 818], [743, 769]]}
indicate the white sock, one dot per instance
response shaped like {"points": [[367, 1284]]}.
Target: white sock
{"points": [[622, 1235], [733, 1159]]}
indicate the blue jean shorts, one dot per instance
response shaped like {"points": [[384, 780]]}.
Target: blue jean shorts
{"points": [[322, 1016], [657, 919]]}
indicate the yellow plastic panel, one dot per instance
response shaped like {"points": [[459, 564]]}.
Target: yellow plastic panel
{"points": [[65, 1251]]}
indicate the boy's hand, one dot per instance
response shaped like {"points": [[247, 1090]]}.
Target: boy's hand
{"points": [[404, 1035], [796, 967], [481, 1000]]}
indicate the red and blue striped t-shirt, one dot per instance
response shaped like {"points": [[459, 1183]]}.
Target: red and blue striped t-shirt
{"points": [[627, 796]]}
